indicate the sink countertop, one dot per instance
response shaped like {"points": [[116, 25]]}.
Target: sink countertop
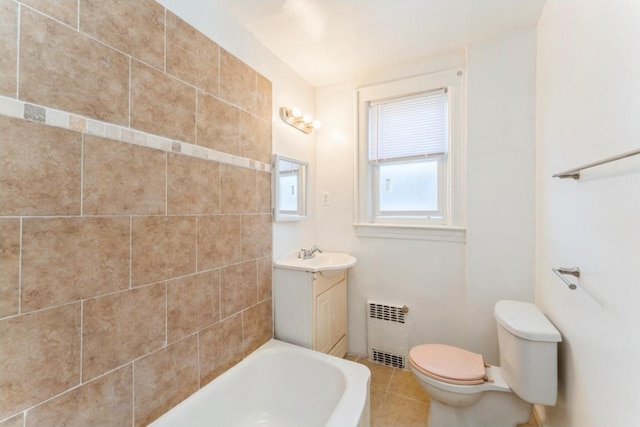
{"points": [[321, 261]]}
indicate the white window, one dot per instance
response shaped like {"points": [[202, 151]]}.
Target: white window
{"points": [[410, 153]]}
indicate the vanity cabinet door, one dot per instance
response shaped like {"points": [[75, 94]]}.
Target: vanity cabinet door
{"points": [[310, 309], [338, 311], [324, 321], [331, 318]]}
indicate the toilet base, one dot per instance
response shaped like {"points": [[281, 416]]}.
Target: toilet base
{"points": [[494, 409]]}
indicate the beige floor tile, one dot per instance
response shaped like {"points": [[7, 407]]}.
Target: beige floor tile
{"points": [[396, 398], [351, 357], [380, 374], [399, 411], [405, 384], [376, 398]]}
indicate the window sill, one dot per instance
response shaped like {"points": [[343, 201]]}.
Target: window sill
{"points": [[412, 232]]}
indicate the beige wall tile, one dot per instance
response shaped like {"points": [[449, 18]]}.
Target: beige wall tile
{"points": [[68, 259], [265, 277], [256, 236], [106, 401], [39, 169], [122, 179], [165, 378], [67, 70], [264, 109], [218, 125], [17, 421], [162, 105], [193, 185], [62, 10], [238, 82], [162, 248], [193, 303], [191, 56], [48, 171], [9, 266], [9, 48], [121, 327], [134, 27], [255, 138], [237, 189], [257, 327], [239, 287], [220, 348], [263, 191], [40, 357], [218, 241]]}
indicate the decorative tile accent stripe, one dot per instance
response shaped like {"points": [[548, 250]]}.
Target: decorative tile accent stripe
{"points": [[14, 108], [35, 113]]}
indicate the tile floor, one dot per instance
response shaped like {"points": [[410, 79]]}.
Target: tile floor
{"points": [[397, 400]]}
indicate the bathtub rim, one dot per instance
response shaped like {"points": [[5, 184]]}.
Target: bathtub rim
{"points": [[353, 407]]}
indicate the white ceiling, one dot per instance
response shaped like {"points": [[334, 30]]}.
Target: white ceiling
{"points": [[329, 41]]}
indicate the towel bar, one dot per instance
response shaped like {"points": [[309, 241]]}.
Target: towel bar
{"points": [[575, 172]]}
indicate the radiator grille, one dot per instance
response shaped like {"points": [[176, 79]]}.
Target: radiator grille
{"points": [[386, 312], [388, 359], [388, 333]]}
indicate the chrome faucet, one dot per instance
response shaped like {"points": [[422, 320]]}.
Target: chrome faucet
{"points": [[309, 253]]}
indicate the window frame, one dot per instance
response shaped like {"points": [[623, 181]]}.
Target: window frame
{"points": [[451, 167]]}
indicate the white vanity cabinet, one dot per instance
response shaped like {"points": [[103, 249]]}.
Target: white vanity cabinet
{"points": [[310, 309]]}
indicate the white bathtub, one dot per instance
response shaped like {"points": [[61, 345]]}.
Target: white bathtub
{"points": [[281, 385]]}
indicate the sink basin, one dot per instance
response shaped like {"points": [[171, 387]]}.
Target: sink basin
{"points": [[325, 261]]}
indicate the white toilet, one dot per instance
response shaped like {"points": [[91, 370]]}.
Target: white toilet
{"points": [[467, 392]]}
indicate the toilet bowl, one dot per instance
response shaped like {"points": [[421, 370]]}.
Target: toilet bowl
{"points": [[456, 381], [467, 392]]}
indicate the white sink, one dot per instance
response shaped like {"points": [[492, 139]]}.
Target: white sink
{"points": [[321, 261]]}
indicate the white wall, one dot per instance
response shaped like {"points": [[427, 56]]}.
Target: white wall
{"points": [[427, 276], [588, 108], [289, 90], [431, 277], [500, 181]]}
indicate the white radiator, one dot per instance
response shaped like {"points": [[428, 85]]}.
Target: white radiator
{"points": [[387, 334]]}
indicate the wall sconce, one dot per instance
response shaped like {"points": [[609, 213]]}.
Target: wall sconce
{"points": [[295, 118]]}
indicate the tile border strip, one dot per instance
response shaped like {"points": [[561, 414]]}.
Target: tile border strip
{"points": [[23, 110]]}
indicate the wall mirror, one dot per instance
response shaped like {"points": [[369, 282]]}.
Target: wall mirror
{"points": [[289, 188]]}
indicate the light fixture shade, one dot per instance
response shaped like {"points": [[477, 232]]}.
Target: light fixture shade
{"points": [[295, 118]]}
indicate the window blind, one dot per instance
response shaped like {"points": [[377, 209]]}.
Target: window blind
{"points": [[409, 127]]}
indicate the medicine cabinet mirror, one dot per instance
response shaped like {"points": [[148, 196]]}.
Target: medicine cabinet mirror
{"points": [[289, 188]]}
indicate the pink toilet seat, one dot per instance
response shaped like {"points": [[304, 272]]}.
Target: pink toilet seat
{"points": [[448, 364]]}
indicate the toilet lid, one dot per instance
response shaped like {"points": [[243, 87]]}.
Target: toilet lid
{"points": [[448, 364]]}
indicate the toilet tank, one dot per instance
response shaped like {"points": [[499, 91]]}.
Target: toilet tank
{"points": [[528, 344]]}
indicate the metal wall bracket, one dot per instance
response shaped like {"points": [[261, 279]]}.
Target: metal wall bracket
{"points": [[560, 271]]}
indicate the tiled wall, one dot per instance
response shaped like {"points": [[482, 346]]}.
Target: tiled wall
{"points": [[135, 225]]}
